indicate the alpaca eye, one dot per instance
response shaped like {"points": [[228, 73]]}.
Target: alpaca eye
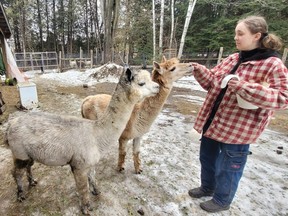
{"points": [[172, 69], [141, 84]]}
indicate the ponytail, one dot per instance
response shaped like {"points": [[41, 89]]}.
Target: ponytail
{"points": [[271, 41]]}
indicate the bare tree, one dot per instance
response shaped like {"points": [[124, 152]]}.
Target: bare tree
{"points": [[40, 25], [86, 23], [186, 25], [154, 30], [107, 16], [62, 25], [96, 21], [54, 24], [115, 19], [18, 26], [127, 39], [47, 19], [172, 26], [161, 27], [110, 14], [70, 27]]}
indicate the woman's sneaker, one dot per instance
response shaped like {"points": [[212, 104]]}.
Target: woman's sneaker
{"points": [[212, 206], [200, 192]]}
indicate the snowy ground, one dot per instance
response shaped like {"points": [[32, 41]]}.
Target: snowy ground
{"points": [[169, 155]]}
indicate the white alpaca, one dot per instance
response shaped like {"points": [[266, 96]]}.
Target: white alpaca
{"points": [[88, 64], [57, 140], [144, 112], [73, 64]]}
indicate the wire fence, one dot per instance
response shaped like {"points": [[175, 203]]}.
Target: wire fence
{"points": [[36, 60], [51, 60]]}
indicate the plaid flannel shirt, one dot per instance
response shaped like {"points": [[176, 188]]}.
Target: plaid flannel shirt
{"points": [[264, 83]]}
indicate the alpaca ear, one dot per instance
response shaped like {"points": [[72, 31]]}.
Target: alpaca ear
{"points": [[129, 74], [157, 68], [156, 65], [164, 59]]}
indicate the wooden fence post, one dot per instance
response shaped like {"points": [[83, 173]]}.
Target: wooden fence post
{"points": [[96, 55], [60, 61], [220, 55], [81, 60], [91, 58], [284, 57], [31, 60]]}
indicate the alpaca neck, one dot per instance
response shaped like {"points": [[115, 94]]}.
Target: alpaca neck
{"points": [[117, 113], [153, 105], [148, 110]]}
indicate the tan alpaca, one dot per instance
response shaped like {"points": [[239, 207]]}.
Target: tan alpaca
{"points": [[145, 112], [57, 140]]}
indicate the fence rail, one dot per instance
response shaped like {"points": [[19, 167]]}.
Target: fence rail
{"points": [[36, 60], [215, 58], [49, 60], [78, 61]]}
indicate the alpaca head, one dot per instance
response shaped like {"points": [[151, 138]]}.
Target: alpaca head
{"points": [[170, 70], [138, 84]]}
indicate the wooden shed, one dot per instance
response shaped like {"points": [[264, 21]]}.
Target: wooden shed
{"points": [[5, 32]]}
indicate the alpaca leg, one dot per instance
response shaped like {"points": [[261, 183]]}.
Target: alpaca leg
{"points": [[122, 154], [18, 172], [136, 155], [31, 180], [92, 182], [81, 179]]}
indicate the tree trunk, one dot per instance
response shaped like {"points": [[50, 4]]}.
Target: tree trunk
{"points": [[172, 28], [94, 14], [127, 30], [86, 24], [70, 26], [47, 25], [99, 29], [154, 30], [40, 26], [187, 21], [115, 18], [55, 27], [107, 12], [111, 14], [16, 32], [62, 30], [161, 28], [22, 10]]}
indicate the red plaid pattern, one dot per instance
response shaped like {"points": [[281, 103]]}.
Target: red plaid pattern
{"points": [[263, 83]]}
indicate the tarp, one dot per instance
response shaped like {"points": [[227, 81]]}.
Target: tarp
{"points": [[2, 104], [2, 65], [12, 67]]}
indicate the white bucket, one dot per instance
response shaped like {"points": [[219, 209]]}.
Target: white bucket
{"points": [[241, 102], [245, 104]]}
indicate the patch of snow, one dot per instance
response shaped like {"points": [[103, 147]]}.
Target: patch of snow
{"points": [[188, 82]]}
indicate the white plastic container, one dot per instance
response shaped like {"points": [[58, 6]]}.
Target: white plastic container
{"points": [[241, 102], [28, 94], [245, 104]]}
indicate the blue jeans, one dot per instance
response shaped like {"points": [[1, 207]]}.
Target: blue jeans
{"points": [[222, 166]]}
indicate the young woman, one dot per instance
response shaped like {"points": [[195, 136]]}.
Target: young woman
{"points": [[227, 129]]}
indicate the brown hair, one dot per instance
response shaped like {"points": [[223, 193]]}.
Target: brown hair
{"points": [[257, 24]]}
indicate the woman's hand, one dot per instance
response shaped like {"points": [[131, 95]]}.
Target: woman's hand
{"points": [[227, 78], [233, 84], [196, 66]]}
